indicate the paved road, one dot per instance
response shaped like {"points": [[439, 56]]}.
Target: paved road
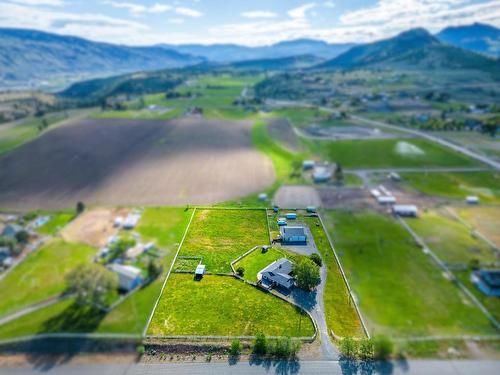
{"points": [[416, 170], [456, 367]]}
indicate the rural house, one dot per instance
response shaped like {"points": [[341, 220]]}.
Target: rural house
{"points": [[129, 277], [408, 210], [487, 281], [11, 230], [293, 235], [277, 273]]}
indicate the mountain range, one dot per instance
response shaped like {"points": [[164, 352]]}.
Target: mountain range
{"points": [[413, 49], [34, 56]]}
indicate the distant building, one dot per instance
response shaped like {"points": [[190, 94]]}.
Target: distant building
{"points": [[263, 197], [293, 235], [135, 251], [10, 230], [386, 199], [311, 209], [281, 221], [118, 222], [131, 221], [487, 281], [375, 193], [291, 215], [277, 273], [408, 210], [129, 277], [472, 199], [394, 176], [322, 173], [308, 164]]}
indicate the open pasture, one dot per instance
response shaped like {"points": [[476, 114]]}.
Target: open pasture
{"points": [[192, 161], [224, 306], [220, 236], [401, 292]]}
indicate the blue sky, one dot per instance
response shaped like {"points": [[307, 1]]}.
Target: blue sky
{"points": [[249, 22]]}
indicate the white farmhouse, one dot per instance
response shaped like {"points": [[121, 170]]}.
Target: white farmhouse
{"points": [[277, 273]]}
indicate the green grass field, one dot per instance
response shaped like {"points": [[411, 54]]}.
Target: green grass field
{"points": [[383, 153], [41, 274], [486, 185], [451, 240], [220, 236], [340, 312], [57, 221], [400, 291], [223, 305], [484, 219]]}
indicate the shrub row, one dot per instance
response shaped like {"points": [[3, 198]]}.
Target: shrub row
{"points": [[379, 347]]}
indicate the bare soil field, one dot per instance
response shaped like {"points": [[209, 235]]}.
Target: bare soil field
{"points": [[297, 196], [125, 162], [93, 227]]}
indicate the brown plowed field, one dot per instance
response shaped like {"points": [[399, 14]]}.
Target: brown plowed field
{"points": [[122, 162]]}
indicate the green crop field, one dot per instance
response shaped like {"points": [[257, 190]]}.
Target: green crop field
{"points": [[220, 236], [485, 185], [340, 312], [41, 274], [223, 305], [388, 153], [400, 291], [451, 240]]}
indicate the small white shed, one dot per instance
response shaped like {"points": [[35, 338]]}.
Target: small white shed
{"points": [[386, 199], [472, 199], [407, 210]]}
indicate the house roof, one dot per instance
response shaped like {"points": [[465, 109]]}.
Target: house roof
{"points": [[130, 272], [281, 266], [200, 269], [292, 231], [490, 277]]}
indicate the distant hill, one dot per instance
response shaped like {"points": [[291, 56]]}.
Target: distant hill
{"points": [[94, 90], [34, 55], [283, 63], [413, 49], [225, 53], [477, 37]]}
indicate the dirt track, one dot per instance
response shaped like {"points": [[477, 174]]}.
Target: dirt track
{"points": [[120, 162]]}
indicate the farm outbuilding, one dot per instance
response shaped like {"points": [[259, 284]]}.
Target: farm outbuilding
{"points": [[281, 221], [322, 173], [11, 230], [129, 277], [487, 281], [472, 199], [131, 221], [308, 164], [386, 199], [200, 270], [293, 235], [291, 215], [277, 273], [407, 210]]}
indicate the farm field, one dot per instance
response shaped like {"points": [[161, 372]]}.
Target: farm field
{"points": [[388, 153], [456, 185], [223, 305], [41, 275], [219, 236], [484, 219], [451, 240], [401, 292], [57, 221], [201, 162]]}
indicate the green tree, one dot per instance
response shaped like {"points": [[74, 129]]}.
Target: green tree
{"points": [[316, 258], [348, 347], [22, 236], [383, 347], [91, 283], [259, 344], [80, 207], [338, 174], [154, 269], [235, 347], [366, 349], [307, 274], [240, 271]]}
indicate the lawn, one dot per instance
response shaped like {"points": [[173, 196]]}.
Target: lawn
{"points": [[41, 274], [223, 305], [450, 240], [220, 236], [486, 185], [57, 221], [384, 153], [400, 291], [256, 261], [340, 312]]}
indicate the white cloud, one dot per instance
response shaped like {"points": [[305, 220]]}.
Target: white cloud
{"points": [[135, 8], [301, 12], [177, 21], [259, 14], [329, 4], [188, 12]]}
